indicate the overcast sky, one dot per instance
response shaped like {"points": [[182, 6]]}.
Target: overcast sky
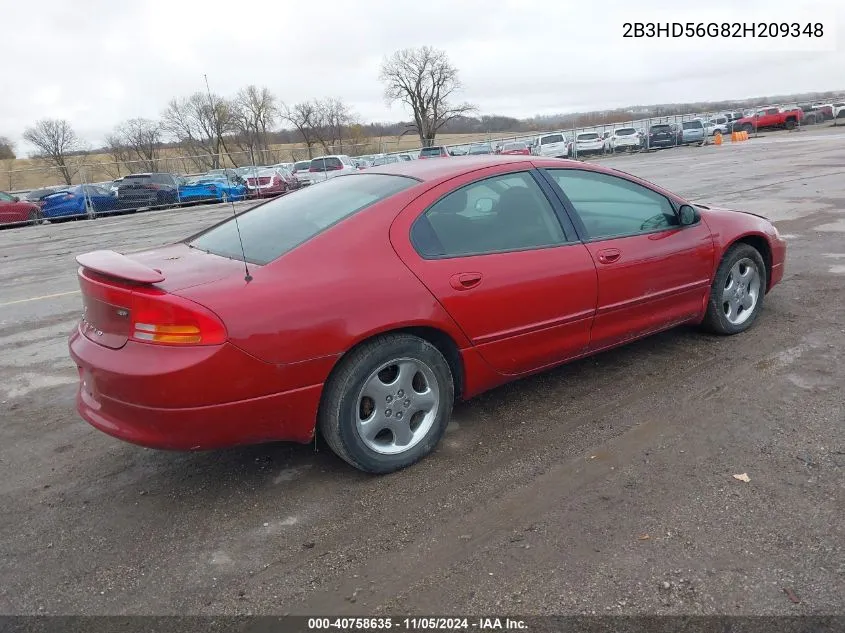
{"points": [[98, 62]]}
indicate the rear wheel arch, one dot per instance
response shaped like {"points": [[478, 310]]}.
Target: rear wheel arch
{"points": [[440, 339]]}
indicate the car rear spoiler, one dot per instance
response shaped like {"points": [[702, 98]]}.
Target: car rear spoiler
{"points": [[113, 264]]}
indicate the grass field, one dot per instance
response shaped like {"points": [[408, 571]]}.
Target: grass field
{"points": [[31, 173]]}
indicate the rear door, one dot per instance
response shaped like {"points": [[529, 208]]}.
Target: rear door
{"points": [[491, 247], [652, 273]]}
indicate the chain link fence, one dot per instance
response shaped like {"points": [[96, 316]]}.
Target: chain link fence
{"points": [[101, 184]]}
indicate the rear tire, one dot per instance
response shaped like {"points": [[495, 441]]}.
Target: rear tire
{"points": [[387, 404], [790, 124], [737, 292], [747, 127]]}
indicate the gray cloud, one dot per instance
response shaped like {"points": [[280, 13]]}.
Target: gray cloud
{"points": [[99, 62]]}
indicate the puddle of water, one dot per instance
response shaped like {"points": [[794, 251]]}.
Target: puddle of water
{"points": [[838, 226]]}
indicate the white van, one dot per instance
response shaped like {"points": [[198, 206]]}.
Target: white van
{"points": [[554, 145]]}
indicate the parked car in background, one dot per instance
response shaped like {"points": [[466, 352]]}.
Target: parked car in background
{"points": [[196, 359], [79, 201], [480, 149], [774, 117], [435, 151], [692, 132], [551, 145], [115, 184], [719, 123], [588, 143], [211, 188], [36, 196], [13, 209], [838, 112], [624, 139], [266, 184], [301, 173], [386, 159], [405, 157], [139, 191], [662, 135], [515, 148], [326, 167]]}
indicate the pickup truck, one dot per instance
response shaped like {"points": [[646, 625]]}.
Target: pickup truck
{"points": [[769, 118]]}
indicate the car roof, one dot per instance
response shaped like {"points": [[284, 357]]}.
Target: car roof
{"points": [[446, 167]]}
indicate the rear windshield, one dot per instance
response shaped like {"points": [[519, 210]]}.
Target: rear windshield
{"points": [[272, 229], [431, 151], [663, 127], [322, 164], [692, 125], [590, 136], [625, 131], [136, 178], [554, 138], [507, 147]]}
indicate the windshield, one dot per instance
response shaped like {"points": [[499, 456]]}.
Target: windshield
{"points": [[270, 230], [431, 151]]}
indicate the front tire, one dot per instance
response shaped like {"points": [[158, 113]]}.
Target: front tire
{"points": [[737, 292], [387, 404]]}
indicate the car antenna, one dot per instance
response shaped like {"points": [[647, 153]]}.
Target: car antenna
{"points": [[247, 276]]}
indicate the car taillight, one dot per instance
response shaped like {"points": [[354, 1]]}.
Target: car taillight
{"points": [[162, 318]]}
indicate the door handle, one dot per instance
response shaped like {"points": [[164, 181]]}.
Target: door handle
{"points": [[609, 255], [465, 281]]}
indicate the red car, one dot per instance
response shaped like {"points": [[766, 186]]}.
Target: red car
{"points": [[266, 184], [12, 209], [515, 149], [364, 307]]}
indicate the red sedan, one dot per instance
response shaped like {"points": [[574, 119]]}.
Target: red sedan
{"points": [[515, 149], [266, 184], [365, 306], [12, 209]]}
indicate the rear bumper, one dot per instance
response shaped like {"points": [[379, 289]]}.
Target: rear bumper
{"points": [[192, 399]]}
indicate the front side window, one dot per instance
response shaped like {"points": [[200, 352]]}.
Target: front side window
{"points": [[5, 197], [502, 213], [610, 206]]}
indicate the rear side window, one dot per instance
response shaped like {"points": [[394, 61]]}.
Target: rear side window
{"points": [[272, 229], [693, 125], [324, 164], [502, 213]]}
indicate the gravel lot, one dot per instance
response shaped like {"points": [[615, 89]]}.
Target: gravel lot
{"points": [[604, 486]]}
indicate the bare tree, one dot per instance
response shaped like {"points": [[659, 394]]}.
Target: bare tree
{"points": [[135, 144], [424, 80], [200, 124], [332, 120], [7, 148], [305, 117], [255, 113], [120, 154], [55, 140]]}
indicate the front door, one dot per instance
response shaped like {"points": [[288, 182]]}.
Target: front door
{"points": [[491, 248], [652, 272]]}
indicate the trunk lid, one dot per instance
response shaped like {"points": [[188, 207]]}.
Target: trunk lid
{"points": [[116, 287]]}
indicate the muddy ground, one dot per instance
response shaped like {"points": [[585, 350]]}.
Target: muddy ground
{"points": [[604, 486]]}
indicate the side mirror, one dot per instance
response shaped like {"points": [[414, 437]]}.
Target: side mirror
{"points": [[688, 215], [15, 199], [484, 205]]}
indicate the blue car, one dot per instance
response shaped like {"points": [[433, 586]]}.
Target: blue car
{"points": [[211, 188], [81, 201]]}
